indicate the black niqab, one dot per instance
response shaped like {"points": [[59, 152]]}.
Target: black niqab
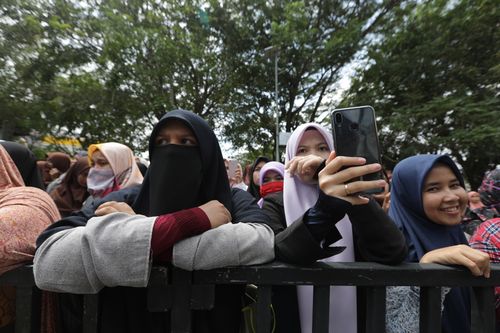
{"points": [[175, 171]]}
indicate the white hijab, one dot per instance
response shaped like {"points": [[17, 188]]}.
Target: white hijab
{"points": [[298, 198]]}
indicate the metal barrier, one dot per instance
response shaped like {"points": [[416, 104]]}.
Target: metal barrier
{"points": [[375, 277], [181, 291]]}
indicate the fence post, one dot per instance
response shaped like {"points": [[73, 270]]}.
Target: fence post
{"points": [[430, 309], [28, 307], [483, 319], [321, 309], [90, 313], [264, 309], [180, 316], [375, 309]]}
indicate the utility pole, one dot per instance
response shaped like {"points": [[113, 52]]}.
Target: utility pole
{"points": [[274, 51]]}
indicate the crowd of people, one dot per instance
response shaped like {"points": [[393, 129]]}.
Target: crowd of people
{"points": [[96, 223]]}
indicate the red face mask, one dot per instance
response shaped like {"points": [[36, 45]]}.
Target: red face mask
{"points": [[271, 187]]}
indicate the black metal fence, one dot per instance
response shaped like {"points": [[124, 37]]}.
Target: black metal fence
{"points": [[180, 291]]}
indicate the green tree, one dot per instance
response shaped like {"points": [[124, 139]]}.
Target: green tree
{"points": [[43, 43], [432, 76], [315, 40]]}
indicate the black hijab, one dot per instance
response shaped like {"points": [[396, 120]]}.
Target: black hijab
{"points": [[253, 188], [181, 177], [25, 162]]}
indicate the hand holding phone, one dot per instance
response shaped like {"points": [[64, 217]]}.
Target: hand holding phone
{"points": [[340, 178]]}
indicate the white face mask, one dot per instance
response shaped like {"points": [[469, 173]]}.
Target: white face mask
{"points": [[100, 179]]}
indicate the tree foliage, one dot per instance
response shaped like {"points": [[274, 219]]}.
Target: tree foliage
{"points": [[314, 41], [433, 77], [106, 70]]}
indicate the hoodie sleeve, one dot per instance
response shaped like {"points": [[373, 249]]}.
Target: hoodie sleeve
{"points": [[111, 250], [228, 245]]}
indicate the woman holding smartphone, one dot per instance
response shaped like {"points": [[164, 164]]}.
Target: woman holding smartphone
{"points": [[317, 196]]}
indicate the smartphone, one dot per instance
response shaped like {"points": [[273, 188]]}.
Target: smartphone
{"points": [[232, 167], [355, 134]]}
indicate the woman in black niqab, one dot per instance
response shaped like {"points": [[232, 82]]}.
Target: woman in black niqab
{"points": [[181, 177], [184, 173]]}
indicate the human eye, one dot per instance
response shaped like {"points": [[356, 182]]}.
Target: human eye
{"points": [[102, 163], [301, 151], [278, 177], [161, 141], [455, 185], [189, 141], [323, 148], [432, 189], [266, 179]]}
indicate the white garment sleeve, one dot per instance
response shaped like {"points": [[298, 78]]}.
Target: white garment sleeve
{"points": [[111, 250], [228, 245]]}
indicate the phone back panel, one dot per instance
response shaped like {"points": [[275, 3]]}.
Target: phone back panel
{"points": [[355, 134]]}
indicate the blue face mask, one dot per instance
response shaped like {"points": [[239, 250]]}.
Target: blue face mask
{"points": [[100, 179]]}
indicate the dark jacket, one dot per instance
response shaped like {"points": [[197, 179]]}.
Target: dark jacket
{"points": [[376, 237]]}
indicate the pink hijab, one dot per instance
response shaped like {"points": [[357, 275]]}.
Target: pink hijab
{"points": [[298, 198], [122, 162], [24, 213]]}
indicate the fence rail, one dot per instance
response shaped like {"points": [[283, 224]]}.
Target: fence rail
{"points": [[180, 291], [375, 277]]}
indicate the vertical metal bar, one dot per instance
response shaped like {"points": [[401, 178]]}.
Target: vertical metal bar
{"points": [[181, 307], [264, 309], [24, 311], [321, 309], [160, 295], [430, 309], [90, 313], [203, 297], [375, 309], [484, 319], [276, 57]]}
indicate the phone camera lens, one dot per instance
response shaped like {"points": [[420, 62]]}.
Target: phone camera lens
{"points": [[338, 118]]}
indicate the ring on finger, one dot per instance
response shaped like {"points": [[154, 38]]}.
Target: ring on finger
{"points": [[346, 189]]}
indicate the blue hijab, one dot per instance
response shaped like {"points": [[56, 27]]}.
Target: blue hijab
{"points": [[422, 235]]}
